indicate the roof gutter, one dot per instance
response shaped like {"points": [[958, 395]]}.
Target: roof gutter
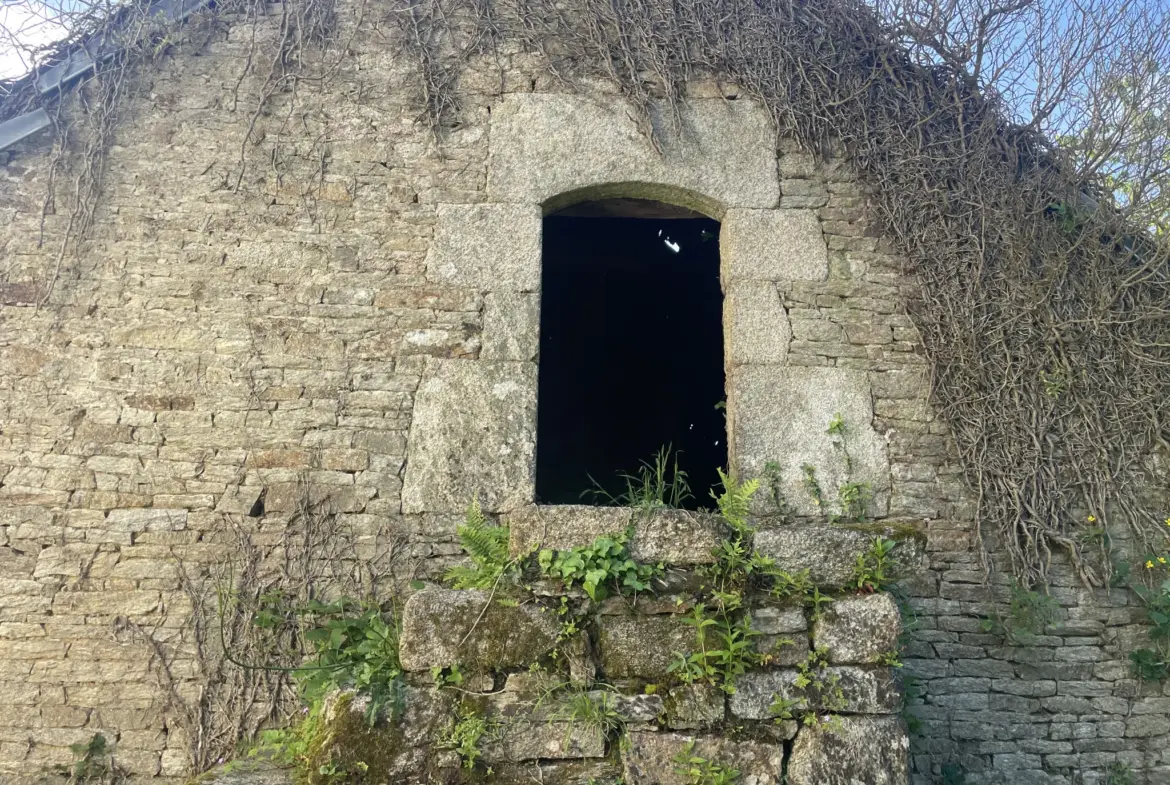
{"points": [[80, 60]]}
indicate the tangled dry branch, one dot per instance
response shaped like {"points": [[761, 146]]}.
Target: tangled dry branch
{"points": [[244, 669], [1046, 315], [1043, 310], [292, 50]]}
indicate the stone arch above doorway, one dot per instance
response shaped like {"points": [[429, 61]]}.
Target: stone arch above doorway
{"points": [[544, 145], [547, 152]]}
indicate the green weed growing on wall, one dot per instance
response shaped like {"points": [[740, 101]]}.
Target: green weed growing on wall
{"points": [[812, 485], [1152, 586], [466, 733], [93, 763], [1029, 614], [853, 499], [780, 510], [296, 745], [913, 690], [354, 647], [450, 676], [783, 709], [656, 485], [487, 547], [697, 770], [823, 686], [873, 570], [723, 631], [1119, 774], [724, 644], [594, 708], [601, 568]]}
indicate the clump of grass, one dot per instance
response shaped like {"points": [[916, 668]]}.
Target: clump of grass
{"points": [[656, 484]]}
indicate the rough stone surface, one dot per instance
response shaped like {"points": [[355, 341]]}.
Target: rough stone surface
{"points": [[649, 760], [632, 708], [829, 553], [755, 693], [238, 773], [693, 706], [558, 772], [487, 246], [859, 629], [782, 413], [851, 750], [542, 740], [866, 690], [675, 537], [473, 435], [772, 245], [546, 145], [783, 634], [847, 690], [642, 647], [218, 347], [511, 326], [562, 527], [435, 623], [779, 619], [783, 650], [755, 324]]}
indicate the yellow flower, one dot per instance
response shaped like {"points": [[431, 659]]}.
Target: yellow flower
{"points": [[1149, 565], [1092, 519], [1168, 521], [1161, 560]]}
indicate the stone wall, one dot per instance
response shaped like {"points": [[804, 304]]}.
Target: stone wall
{"points": [[214, 357], [525, 678]]}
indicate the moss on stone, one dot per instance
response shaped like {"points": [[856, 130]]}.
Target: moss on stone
{"points": [[894, 529], [346, 748], [910, 537], [642, 646], [471, 628]]}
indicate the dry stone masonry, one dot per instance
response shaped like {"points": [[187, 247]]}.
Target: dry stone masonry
{"points": [[352, 335], [622, 659]]}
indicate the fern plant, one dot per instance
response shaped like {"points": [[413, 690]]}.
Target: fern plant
{"points": [[487, 546], [735, 502]]}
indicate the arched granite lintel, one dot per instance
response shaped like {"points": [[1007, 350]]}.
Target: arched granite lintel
{"points": [[652, 191]]}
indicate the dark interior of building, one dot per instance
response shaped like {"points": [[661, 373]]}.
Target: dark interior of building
{"points": [[631, 350]]}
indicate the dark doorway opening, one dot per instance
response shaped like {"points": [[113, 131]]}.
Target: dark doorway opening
{"points": [[631, 349]]}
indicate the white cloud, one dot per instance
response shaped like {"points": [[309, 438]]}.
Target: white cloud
{"points": [[25, 26]]}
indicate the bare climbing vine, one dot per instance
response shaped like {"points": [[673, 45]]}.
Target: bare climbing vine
{"points": [[290, 44], [1045, 312], [246, 635]]}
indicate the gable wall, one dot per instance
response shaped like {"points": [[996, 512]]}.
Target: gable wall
{"points": [[211, 348]]}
